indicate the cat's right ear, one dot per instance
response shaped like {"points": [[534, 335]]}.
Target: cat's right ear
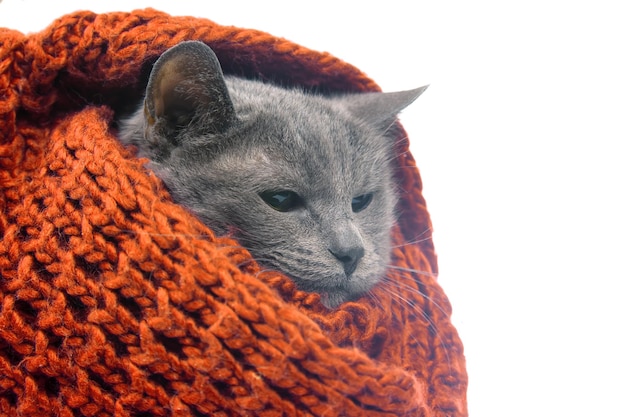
{"points": [[379, 109], [186, 93]]}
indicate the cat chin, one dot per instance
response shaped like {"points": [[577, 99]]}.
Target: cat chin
{"points": [[337, 296], [340, 289], [335, 299]]}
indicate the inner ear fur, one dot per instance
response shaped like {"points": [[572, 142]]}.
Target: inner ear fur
{"points": [[186, 89]]}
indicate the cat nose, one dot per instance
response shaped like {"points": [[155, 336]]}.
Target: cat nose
{"points": [[346, 244], [349, 257]]}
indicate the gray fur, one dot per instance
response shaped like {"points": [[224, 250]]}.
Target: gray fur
{"points": [[218, 146]]}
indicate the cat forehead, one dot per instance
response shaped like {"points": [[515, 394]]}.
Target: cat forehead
{"points": [[300, 120], [254, 99], [322, 141]]}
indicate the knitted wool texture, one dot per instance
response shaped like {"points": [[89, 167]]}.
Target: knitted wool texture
{"points": [[116, 301]]}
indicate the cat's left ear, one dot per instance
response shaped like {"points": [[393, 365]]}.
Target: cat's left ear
{"points": [[187, 93], [380, 109]]}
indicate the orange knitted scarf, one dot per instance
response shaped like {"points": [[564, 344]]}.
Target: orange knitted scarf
{"points": [[116, 301]]}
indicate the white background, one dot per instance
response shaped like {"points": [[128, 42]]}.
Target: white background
{"points": [[520, 141]]}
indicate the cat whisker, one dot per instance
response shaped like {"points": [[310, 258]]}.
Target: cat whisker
{"points": [[406, 166], [412, 271], [263, 271], [265, 262], [404, 140], [412, 242], [431, 324], [428, 229], [416, 239], [141, 232], [375, 298], [417, 291], [387, 281]]}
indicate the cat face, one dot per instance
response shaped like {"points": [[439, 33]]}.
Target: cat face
{"points": [[304, 182]]}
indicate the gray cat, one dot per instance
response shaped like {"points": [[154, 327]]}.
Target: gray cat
{"points": [[304, 181]]}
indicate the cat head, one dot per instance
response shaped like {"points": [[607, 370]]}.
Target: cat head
{"points": [[305, 182]]}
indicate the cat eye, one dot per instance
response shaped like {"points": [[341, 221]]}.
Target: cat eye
{"points": [[361, 202], [281, 200]]}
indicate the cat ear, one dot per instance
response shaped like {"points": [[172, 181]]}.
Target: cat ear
{"points": [[186, 91], [380, 109]]}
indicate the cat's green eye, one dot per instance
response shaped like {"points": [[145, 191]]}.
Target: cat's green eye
{"points": [[282, 200], [361, 202]]}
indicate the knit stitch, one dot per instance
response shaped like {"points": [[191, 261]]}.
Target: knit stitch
{"points": [[116, 301]]}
